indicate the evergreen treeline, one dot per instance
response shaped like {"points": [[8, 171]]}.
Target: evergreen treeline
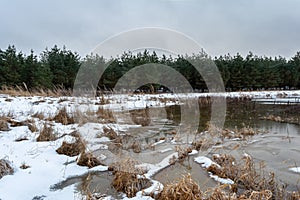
{"points": [[58, 68]]}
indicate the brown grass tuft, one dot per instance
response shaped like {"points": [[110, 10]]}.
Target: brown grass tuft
{"points": [[38, 115], [24, 166], [4, 125], [5, 168], [46, 134], [32, 127], [250, 182], [14, 123], [129, 183], [202, 144], [136, 146], [242, 133], [126, 177], [184, 189], [106, 115], [71, 149], [284, 119], [110, 133], [183, 152], [63, 117], [140, 116], [29, 122], [295, 195], [88, 159], [103, 100]]}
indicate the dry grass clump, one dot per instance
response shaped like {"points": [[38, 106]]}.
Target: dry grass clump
{"points": [[204, 100], [242, 133], [4, 125], [88, 159], [221, 193], [82, 117], [183, 152], [46, 134], [295, 195], [129, 183], [32, 127], [247, 131], [273, 118], [6, 122], [5, 168], [127, 165], [250, 183], [24, 166], [121, 141], [127, 177], [292, 120], [103, 100], [207, 100], [29, 123], [212, 129], [165, 100], [15, 123], [106, 115], [63, 117], [184, 189], [110, 133], [230, 134], [136, 146], [71, 149], [202, 144], [38, 115], [140, 116]]}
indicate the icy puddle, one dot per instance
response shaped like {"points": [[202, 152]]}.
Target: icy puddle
{"points": [[94, 182], [175, 172]]}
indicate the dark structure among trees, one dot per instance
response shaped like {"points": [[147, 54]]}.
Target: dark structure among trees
{"points": [[58, 68]]}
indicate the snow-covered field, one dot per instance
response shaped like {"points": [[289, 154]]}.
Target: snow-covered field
{"points": [[47, 168]]}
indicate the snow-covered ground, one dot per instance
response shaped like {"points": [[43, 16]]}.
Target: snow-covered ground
{"points": [[47, 168]]}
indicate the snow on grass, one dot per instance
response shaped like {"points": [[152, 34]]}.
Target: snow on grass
{"points": [[154, 168], [207, 162], [158, 143], [221, 180], [194, 152]]}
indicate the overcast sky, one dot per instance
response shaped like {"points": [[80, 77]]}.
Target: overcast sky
{"points": [[265, 27]]}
